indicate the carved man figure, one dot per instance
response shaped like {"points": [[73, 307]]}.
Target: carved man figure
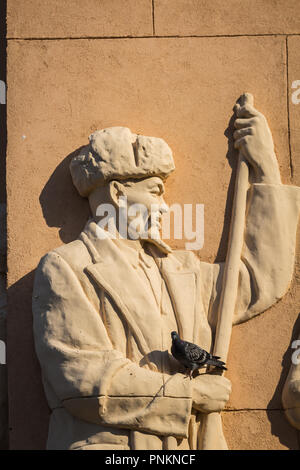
{"points": [[104, 306]]}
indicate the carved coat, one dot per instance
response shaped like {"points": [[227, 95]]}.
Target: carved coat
{"points": [[102, 327]]}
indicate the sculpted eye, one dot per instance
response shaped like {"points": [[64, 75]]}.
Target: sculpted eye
{"points": [[158, 191]]}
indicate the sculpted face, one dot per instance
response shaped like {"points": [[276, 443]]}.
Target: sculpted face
{"points": [[130, 209], [145, 206]]}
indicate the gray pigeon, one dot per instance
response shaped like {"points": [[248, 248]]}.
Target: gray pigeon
{"points": [[193, 357]]}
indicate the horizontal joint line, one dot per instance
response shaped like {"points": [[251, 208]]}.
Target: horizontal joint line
{"points": [[74, 38]]}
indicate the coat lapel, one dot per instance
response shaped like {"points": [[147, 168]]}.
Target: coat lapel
{"points": [[112, 272], [181, 283]]}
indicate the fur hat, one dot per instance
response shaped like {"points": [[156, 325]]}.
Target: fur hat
{"points": [[116, 153]]}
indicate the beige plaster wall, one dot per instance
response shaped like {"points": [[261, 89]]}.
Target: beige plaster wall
{"points": [[3, 296], [74, 67]]}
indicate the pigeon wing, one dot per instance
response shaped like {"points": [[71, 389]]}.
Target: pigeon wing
{"points": [[196, 354]]}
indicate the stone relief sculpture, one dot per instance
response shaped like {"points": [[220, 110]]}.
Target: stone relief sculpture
{"points": [[104, 306], [291, 391]]}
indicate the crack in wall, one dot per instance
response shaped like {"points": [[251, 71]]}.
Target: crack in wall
{"points": [[288, 111], [153, 19], [251, 409], [154, 36]]}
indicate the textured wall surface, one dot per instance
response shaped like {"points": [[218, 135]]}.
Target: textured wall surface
{"points": [[171, 69], [3, 267]]}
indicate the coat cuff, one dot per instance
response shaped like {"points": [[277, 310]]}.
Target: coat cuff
{"points": [[163, 416]]}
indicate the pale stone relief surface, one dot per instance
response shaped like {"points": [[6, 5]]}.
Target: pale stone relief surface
{"points": [[291, 390], [104, 307]]}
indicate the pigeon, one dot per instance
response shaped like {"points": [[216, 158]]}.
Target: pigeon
{"points": [[193, 357]]}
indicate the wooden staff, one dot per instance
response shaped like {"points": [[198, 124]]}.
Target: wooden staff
{"points": [[212, 434]]}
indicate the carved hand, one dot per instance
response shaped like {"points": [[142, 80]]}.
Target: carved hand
{"points": [[254, 139], [210, 392]]}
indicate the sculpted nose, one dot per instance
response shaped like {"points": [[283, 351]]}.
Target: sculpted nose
{"points": [[163, 208]]}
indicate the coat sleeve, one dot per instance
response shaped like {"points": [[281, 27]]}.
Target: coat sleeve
{"points": [[93, 381], [267, 259]]}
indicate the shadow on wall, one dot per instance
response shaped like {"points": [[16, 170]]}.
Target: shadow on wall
{"points": [[28, 409], [276, 420], [61, 204], [29, 413]]}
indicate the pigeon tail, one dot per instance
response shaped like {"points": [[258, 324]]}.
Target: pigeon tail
{"points": [[214, 361]]}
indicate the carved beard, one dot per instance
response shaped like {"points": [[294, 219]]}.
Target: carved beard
{"points": [[160, 244], [152, 236]]}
